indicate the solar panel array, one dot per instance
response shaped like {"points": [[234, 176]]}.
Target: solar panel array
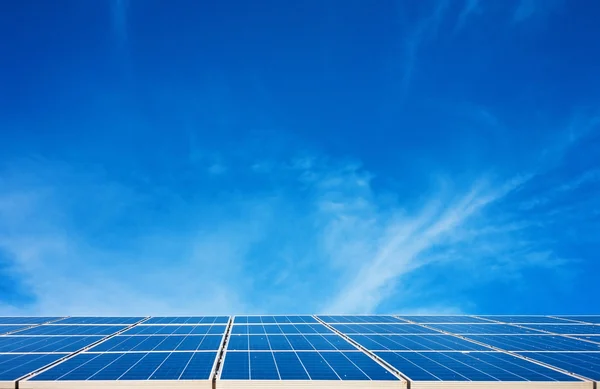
{"points": [[361, 351]]}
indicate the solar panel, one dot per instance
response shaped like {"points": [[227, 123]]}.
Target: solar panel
{"points": [[99, 320], [188, 320], [281, 319], [489, 329], [26, 319], [535, 343], [45, 344], [5, 329], [524, 319], [358, 319], [14, 366], [584, 319], [368, 350], [575, 329], [424, 319], [584, 364], [132, 366], [473, 366], [383, 329], [57, 329], [183, 329]]}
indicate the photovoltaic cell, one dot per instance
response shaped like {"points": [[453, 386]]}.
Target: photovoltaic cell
{"points": [[99, 320], [14, 366], [535, 343], [188, 320], [584, 364], [489, 329], [30, 320], [288, 342], [442, 319], [45, 344], [416, 343], [56, 329], [132, 366], [524, 319], [474, 366], [327, 365]]}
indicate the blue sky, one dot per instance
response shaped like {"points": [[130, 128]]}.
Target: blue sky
{"points": [[163, 157]]}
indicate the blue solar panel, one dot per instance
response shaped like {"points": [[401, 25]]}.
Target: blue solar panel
{"points": [[67, 329], [535, 343], [584, 319], [524, 319], [132, 366], [99, 320], [14, 366], [416, 343], [123, 343], [329, 365], [45, 344], [289, 319], [591, 338], [584, 364], [358, 319], [260, 329], [576, 329], [442, 319], [216, 329], [473, 366], [26, 319], [383, 329], [5, 329], [188, 320], [288, 342], [489, 329]]}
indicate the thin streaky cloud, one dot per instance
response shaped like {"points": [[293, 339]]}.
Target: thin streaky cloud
{"points": [[469, 8]]}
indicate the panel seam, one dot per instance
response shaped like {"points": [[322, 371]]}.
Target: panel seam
{"points": [[221, 352], [368, 352]]}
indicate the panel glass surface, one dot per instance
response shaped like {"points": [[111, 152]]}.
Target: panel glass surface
{"points": [[442, 319], [124, 343], [399, 328], [5, 329], [584, 319], [259, 329], [67, 329], [474, 366], [416, 343], [99, 320], [489, 329], [26, 319], [280, 319], [524, 319], [584, 364], [132, 366], [575, 329], [188, 320], [535, 343], [358, 319], [14, 366], [169, 329], [302, 365], [288, 342], [45, 344]]}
